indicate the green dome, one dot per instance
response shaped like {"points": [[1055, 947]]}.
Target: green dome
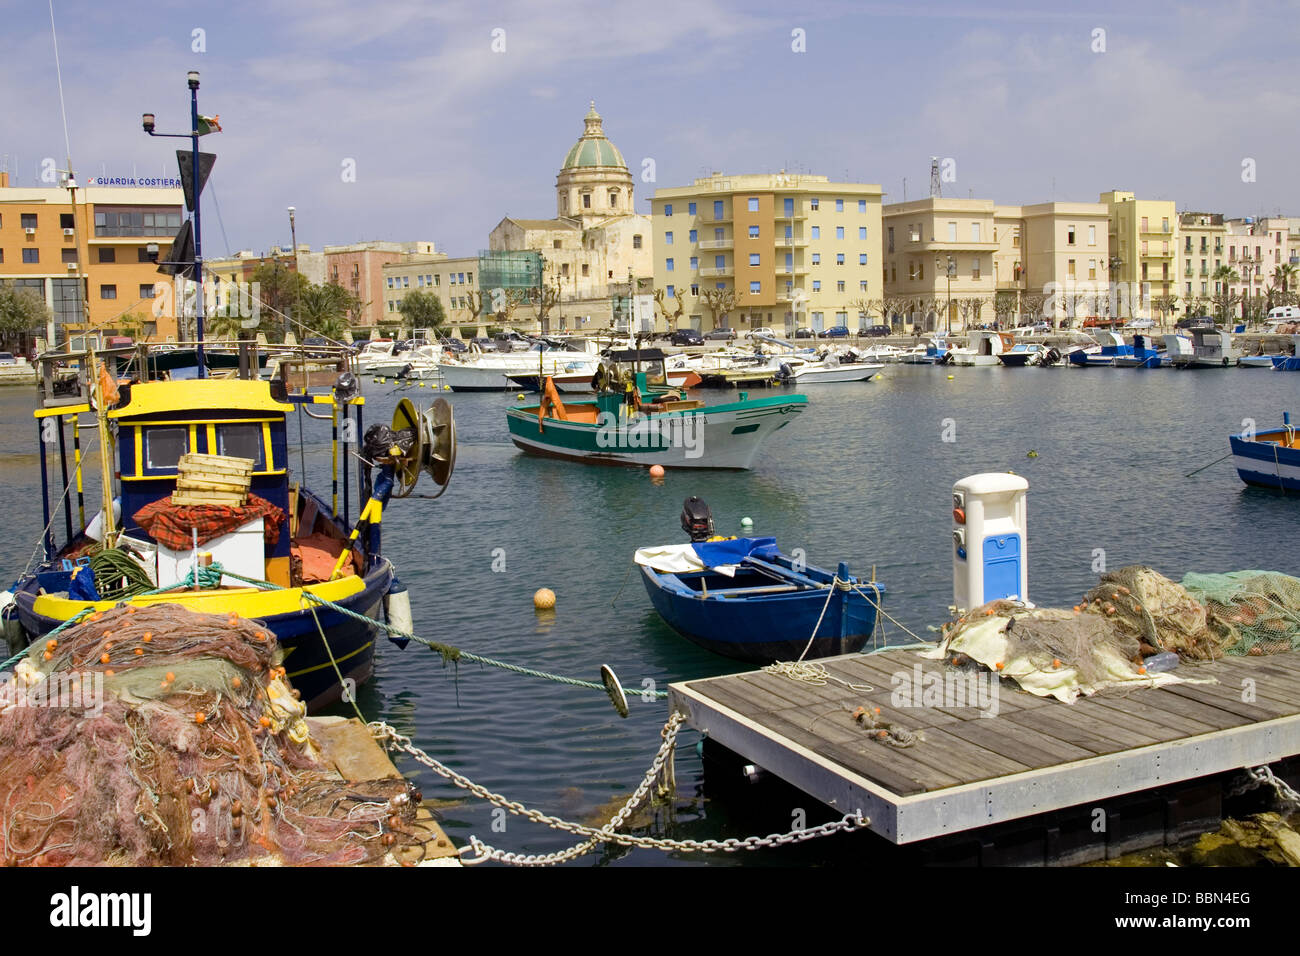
{"points": [[593, 149]]}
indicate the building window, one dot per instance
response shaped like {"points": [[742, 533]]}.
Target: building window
{"points": [[1015, 237], [816, 232], [389, 282], [147, 290], [975, 268], [839, 205], [717, 209], [1144, 247], [695, 288], [108, 292], [756, 286], [555, 243], [668, 265], [719, 262], [1069, 268], [839, 232], [952, 232], [105, 255], [28, 220], [890, 240], [862, 285], [1092, 235], [564, 270], [419, 281], [839, 286], [862, 232], [437, 279], [862, 205], [636, 241], [814, 203], [839, 258], [70, 255], [668, 238], [1145, 225], [695, 263], [1069, 235], [406, 282], [817, 285], [613, 198], [668, 209], [690, 208], [586, 270], [31, 256], [788, 206], [975, 232], [672, 292], [862, 258], [136, 221], [1164, 225], [717, 233], [816, 258], [753, 232], [1092, 268], [586, 201], [753, 204], [753, 258]]}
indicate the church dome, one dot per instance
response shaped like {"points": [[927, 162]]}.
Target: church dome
{"points": [[593, 150]]}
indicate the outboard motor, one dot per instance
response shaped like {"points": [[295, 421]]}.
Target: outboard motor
{"points": [[697, 519], [1051, 357], [785, 373]]}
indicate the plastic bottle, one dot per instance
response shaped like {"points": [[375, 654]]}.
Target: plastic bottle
{"points": [[1164, 661]]}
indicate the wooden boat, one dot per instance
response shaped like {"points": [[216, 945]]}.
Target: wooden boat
{"points": [[637, 420], [1268, 459], [1143, 355], [1110, 347], [270, 540], [744, 599]]}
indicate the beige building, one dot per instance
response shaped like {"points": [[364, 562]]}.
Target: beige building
{"points": [[1144, 251], [594, 243], [1202, 250], [1058, 251], [453, 281], [939, 262], [782, 251]]}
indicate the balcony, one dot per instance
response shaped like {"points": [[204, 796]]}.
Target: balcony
{"points": [[785, 242], [714, 273], [784, 270], [717, 220], [788, 217], [716, 243]]}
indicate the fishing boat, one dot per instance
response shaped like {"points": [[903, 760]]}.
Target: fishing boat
{"points": [[280, 548], [1110, 347], [1143, 355], [982, 348], [1268, 459], [1286, 360], [636, 419], [745, 599], [1178, 350], [1212, 348], [1021, 354]]}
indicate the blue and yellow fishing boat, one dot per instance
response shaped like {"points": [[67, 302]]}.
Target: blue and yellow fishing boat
{"points": [[287, 557]]}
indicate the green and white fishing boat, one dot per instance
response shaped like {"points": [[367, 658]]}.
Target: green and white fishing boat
{"points": [[638, 420]]}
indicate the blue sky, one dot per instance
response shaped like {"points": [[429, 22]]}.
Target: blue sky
{"points": [[449, 136]]}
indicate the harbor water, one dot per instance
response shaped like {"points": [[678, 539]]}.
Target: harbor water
{"points": [[864, 476]]}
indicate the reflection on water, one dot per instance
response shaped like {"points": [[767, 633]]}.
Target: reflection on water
{"points": [[862, 476]]}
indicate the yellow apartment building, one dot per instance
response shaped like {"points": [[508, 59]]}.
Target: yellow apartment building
{"points": [[790, 250], [1144, 250], [1202, 249]]}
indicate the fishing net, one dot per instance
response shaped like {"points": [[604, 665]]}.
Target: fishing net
{"points": [[1250, 612], [1159, 613], [157, 736]]}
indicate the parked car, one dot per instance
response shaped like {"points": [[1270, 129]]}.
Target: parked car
{"points": [[7, 358], [1195, 322], [686, 337], [835, 332], [803, 334], [725, 335], [453, 345], [873, 331], [486, 344], [760, 331]]}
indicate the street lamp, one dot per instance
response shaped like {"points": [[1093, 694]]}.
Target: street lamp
{"points": [[293, 236], [149, 125], [1115, 264], [952, 271]]}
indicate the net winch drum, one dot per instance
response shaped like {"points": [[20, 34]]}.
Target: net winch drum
{"points": [[989, 540], [433, 450]]}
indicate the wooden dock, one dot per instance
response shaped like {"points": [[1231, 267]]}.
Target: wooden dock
{"points": [[971, 771]]}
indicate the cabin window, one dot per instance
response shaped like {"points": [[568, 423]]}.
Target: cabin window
{"points": [[164, 447], [240, 441]]}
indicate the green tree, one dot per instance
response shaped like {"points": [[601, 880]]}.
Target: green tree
{"points": [[22, 311], [423, 310]]}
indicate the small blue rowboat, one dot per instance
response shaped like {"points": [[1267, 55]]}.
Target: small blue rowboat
{"points": [[744, 599], [1269, 459]]}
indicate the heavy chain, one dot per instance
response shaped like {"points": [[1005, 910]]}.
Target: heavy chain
{"points": [[1264, 777], [608, 833]]}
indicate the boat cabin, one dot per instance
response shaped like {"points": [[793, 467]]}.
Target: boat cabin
{"points": [[1210, 346]]}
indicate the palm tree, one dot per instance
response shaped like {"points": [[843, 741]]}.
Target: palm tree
{"points": [[1224, 276], [1284, 275]]}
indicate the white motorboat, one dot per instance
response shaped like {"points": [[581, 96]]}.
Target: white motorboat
{"points": [[1178, 351], [1212, 348], [491, 371], [800, 371], [982, 348], [419, 363]]}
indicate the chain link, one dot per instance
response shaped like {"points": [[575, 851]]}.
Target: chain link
{"points": [[606, 834], [1264, 777]]}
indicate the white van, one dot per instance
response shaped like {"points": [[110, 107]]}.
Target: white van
{"points": [[1284, 313]]}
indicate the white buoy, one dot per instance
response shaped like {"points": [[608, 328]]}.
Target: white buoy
{"points": [[747, 522]]}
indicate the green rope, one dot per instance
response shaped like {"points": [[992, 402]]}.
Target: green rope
{"points": [[117, 576], [62, 627]]}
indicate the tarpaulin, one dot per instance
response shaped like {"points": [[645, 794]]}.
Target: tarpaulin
{"points": [[173, 526]]}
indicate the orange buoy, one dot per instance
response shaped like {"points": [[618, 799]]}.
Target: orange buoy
{"points": [[656, 471], [544, 599]]}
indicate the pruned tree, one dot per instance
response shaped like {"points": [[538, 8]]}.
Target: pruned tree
{"points": [[1165, 306], [543, 299], [474, 304], [1005, 305], [867, 308], [895, 305], [670, 316], [1032, 305], [719, 302], [22, 312]]}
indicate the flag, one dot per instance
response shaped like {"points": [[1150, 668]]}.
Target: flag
{"points": [[209, 124]]}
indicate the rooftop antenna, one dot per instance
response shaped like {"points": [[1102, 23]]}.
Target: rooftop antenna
{"points": [[904, 189], [935, 190]]}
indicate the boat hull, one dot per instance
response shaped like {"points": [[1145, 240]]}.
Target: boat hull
{"points": [[1265, 462], [848, 372], [496, 377], [307, 660], [719, 436], [767, 629]]}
